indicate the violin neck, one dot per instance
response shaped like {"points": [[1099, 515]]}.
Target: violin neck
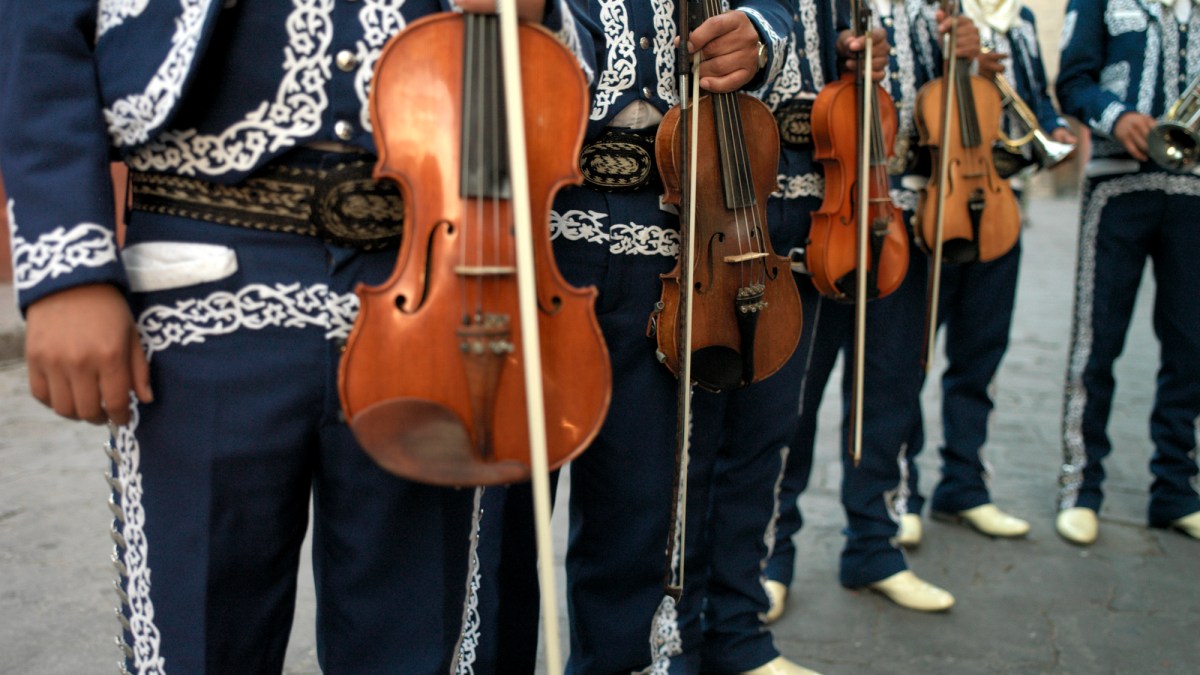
{"points": [[484, 151]]}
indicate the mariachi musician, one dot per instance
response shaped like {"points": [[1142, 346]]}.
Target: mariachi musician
{"points": [[759, 419], [615, 234], [1124, 63], [977, 298], [875, 492], [223, 314]]}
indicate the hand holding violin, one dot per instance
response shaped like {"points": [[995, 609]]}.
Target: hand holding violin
{"points": [[1131, 130], [849, 47], [967, 45], [729, 42]]}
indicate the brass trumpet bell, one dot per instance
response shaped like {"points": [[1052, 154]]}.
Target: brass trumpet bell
{"points": [[1174, 143], [1046, 151]]}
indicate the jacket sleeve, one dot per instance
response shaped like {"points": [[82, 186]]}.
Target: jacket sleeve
{"points": [[773, 21], [54, 150], [1084, 40], [1043, 106]]}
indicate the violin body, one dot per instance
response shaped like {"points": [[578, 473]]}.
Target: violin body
{"points": [[831, 252], [746, 308], [982, 219], [431, 380]]}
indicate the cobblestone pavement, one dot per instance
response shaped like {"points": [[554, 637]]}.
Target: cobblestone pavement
{"points": [[1128, 604]]}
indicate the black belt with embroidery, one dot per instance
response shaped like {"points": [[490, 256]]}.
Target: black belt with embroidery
{"points": [[342, 205], [619, 161], [795, 123]]}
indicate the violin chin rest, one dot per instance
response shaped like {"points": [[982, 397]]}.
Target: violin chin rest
{"points": [[428, 443]]}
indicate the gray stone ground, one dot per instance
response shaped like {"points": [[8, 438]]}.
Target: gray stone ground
{"points": [[1128, 604]]}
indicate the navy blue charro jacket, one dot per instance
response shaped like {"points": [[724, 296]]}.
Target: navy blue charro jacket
{"points": [[206, 88], [1120, 56]]}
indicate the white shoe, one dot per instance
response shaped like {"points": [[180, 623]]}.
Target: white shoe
{"points": [[908, 532], [777, 596], [1078, 525], [910, 591], [1189, 525], [781, 666], [989, 520]]}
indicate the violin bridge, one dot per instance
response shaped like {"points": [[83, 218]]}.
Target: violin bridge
{"points": [[743, 257], [484, 270]]}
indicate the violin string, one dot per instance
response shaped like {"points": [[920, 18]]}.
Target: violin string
{"points": [[470, 64], [495, 136]]}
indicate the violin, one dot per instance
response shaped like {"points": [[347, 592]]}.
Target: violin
{"points": [[736, 300], [967, 211], [848, 127], [434, 380], [857, 248]]}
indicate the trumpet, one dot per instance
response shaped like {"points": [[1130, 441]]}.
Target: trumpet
{"points": [[1046, 151], [1174, 143]]}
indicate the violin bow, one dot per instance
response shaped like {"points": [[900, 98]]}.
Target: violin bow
{"points": [[862, 19], [688, 73], [531, 349], [949, 74]]}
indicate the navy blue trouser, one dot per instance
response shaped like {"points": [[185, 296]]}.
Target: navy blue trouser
{"points": [[1126, 220], [875, 492], [757, 447], [975, 310], [620, 504], [213, 479]]}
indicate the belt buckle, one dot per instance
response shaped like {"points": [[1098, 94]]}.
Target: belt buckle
{"points": [[351, 208], [795, 123], [618, 161]]}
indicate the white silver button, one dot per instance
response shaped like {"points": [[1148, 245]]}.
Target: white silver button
{"points": [[887, 21], [346, 60], [343, 130], [645, 92], [644, 43]]}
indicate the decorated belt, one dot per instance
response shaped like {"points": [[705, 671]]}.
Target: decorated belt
{"points": [[795, 123], [343, 205], [619, 161]]}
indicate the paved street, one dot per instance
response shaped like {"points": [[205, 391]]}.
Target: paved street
{"points": [[1128, 604]]}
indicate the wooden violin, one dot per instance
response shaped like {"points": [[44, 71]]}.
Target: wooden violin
{"points": [[848, 127], [966, 212], [741, 297], [857, 248], [432, 380]]}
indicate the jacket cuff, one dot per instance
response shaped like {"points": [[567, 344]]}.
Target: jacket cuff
{"points": [[62, 258]]}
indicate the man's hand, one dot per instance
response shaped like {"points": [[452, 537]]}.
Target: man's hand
{"points": [[527, 10], [991, 64], [967, 44], [1063, 135], [729, 43], [1131, 130], [850, 47], [84, 355]]}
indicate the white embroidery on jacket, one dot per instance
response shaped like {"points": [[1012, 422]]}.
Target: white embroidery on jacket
{"points": [[112, 13], [621, 238], [57, 252], [131, 119], [272, 125]]}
